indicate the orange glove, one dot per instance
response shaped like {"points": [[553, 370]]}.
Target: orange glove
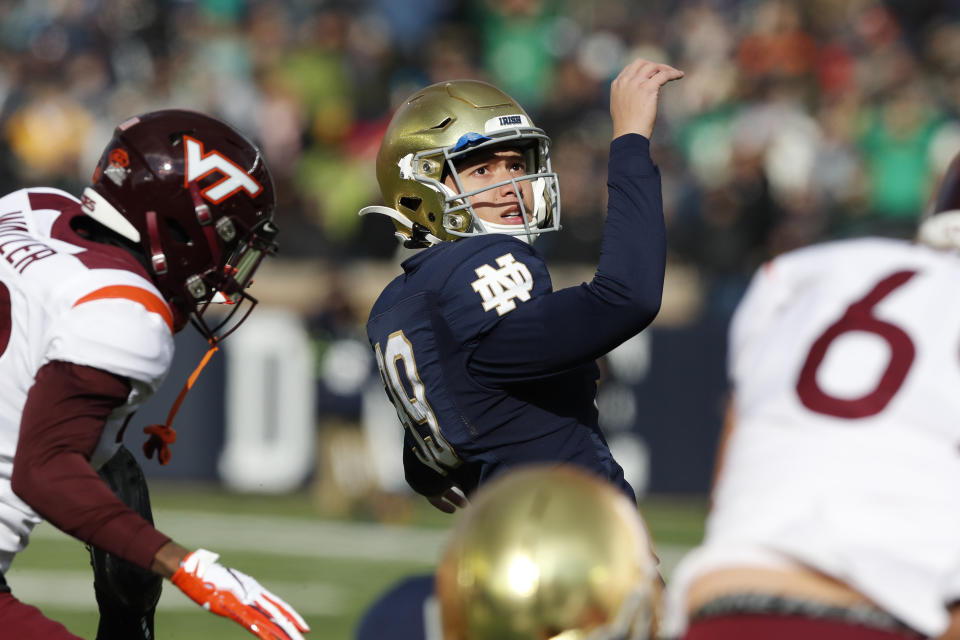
{"points": [[237, 596]]}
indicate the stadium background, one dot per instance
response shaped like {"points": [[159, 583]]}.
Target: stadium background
{"points": [[797, 122]]}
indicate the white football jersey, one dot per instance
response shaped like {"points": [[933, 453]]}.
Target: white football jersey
{"points": [[59, 301], [845, 454]]}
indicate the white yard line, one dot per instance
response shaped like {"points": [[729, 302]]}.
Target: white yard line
{"points": [[274, 535], [286, 536], [74, 590]]}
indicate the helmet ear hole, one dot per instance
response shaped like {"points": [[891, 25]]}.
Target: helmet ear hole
{"points": [[410, 203], [177, 232]]}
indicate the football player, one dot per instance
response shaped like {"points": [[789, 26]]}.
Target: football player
{"points": [[549, 552], [835, 511], [487, 366], [178, 217]]}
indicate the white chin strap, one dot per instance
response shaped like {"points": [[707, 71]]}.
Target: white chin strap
{"points": [[539, 201], [515, 230], [393, 214]]}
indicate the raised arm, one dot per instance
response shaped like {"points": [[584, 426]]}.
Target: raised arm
{"points": [[578, 324]]}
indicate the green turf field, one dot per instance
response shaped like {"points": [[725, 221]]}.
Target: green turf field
{"points": [[328, 568]]}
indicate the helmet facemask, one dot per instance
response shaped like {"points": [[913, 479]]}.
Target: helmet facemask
{"points": [[459, 218], [227, 283]]}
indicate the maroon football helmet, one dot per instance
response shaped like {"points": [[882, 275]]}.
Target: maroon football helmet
{"points": [[197, 198]]}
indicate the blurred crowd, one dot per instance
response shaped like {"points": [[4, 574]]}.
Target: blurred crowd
{"points": [[797, 121]]}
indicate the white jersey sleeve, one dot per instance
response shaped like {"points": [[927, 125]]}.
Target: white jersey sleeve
{"points": [[63, 297], [123, 327]]}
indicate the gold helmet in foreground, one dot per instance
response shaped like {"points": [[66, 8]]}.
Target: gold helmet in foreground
{"points": [[548, 553], [434, 129]]}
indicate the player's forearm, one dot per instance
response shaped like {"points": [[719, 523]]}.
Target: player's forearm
{"points": [[629, 277], [168, 558], [66, 492], [61, 425]]}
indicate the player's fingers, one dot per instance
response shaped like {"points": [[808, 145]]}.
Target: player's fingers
{"points": [[270, 625], [455, 496], [273, 615], [637, 68], [665, 73], [631, 74], [254, 621], [643, 75], [280, 628], [440, 503], [286, 611], [648, 70]]}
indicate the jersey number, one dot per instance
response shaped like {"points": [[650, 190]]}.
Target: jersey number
{"points": [[859, 317], [412, 407], [6, 321]]}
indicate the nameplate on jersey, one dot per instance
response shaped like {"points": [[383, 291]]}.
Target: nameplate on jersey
{"points": [[499, 288]]}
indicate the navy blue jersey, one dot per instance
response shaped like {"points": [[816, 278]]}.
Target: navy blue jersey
{"points": [[407, 610], [490, 368]]}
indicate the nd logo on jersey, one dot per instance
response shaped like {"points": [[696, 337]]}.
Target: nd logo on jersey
{"points": [[498, 287]]}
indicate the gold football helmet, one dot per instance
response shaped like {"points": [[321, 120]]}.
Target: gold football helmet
{"points": [[548, 553], [438, 126]]}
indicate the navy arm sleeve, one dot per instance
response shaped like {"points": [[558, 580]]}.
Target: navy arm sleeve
{"points": [[571, 326]]}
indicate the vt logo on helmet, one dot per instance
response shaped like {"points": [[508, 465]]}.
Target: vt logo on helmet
{"points": [[195, 199], [200, 164], [439, 130]]}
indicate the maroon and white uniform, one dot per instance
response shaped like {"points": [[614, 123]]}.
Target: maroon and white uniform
{"points": [[85, 338], [845, 453]]}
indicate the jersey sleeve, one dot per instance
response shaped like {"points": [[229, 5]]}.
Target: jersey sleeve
{"points": [[572, 326], [125, 329], [488, 285], [62, 422]]}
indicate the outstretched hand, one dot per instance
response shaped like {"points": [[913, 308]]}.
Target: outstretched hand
{"points": [[635, 93], [231, 594]]}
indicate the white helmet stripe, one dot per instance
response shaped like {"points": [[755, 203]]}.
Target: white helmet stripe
{"points": [[96, 206]]}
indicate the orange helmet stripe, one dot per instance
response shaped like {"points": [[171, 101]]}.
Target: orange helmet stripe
{"points": [[149, 301]]}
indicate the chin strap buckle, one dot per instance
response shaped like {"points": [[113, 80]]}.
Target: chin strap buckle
{"points": [[418, 237]]}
